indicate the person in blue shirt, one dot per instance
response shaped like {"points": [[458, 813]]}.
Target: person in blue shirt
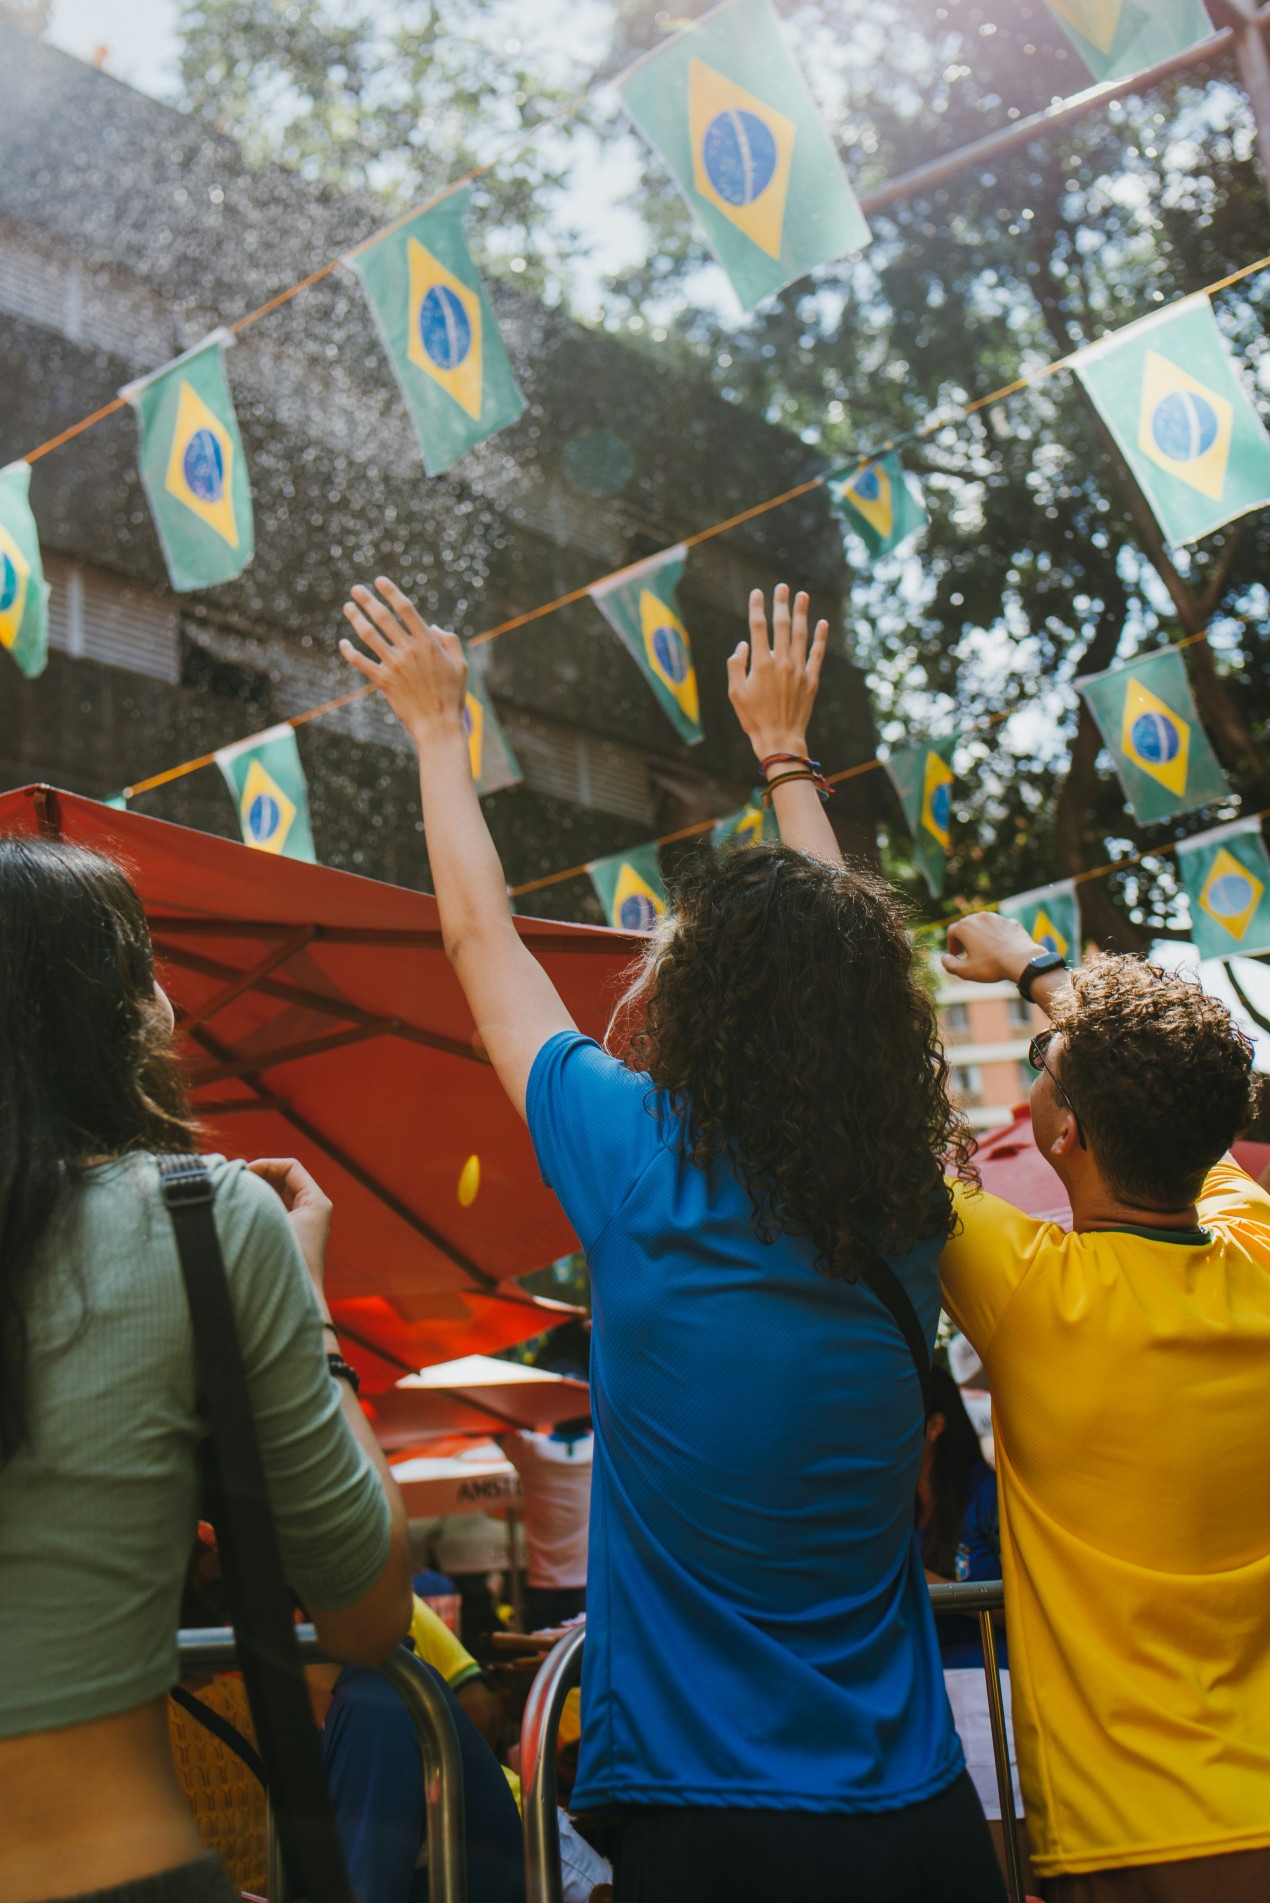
{"points": [[764, 1710]]}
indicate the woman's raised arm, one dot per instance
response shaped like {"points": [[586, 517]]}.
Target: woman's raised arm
{"points": [[772, 685], [422, 673]]}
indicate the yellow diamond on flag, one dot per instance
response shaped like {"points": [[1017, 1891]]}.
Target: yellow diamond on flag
{"points": [[937, 799], [474, 728], [750, 825], [871, 493], [636, 907], [443, 328], [742, 150], [1096, 19], [1231, 894], [669, 651], [200, 470], [1183, 426], [15, 577], [267, 814], [1045, 932], [1155, 739]]}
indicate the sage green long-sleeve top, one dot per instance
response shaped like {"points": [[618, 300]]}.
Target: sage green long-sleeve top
{"points": [[98, 1512]]}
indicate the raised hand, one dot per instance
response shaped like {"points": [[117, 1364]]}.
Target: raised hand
{"points": [[772, 683], [306, 1203], [986, 948], [420, 670]]}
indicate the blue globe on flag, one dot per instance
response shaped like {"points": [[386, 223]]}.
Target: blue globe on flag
{"points": [[1184, 426], [671, 654], [1231, 895], [739, 155], [264, 816], [1155, 739], [445, 330], [637, 913], [868, 485], [8, 583], [941, 805], [203, 465]]}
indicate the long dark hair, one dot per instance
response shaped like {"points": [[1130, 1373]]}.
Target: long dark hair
{"points": [[783, 1013], [954, 1457], [86, 1064]]}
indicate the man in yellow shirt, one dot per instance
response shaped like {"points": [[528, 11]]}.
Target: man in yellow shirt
{"points": [[1130, 1371]]}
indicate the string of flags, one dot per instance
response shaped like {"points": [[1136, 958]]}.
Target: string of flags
{"points": [[267, 784], [641, 605], [1146, 715], [1117, 38], [1226, 873], [24, 593]]}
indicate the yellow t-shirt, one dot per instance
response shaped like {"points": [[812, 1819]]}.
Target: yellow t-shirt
{"points": [[437, 1646], [1130, 1383]]}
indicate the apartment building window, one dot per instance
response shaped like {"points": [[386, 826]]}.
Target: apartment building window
{"points": [[957, 1019], [968, 1082], [1020, 1013]]}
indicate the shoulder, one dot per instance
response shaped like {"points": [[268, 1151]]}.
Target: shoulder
{"points": [[577, 1064]]}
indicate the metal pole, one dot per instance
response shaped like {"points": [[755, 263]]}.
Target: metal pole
{"points": [[442, 1774], [559, 1673], [517, 1584], [1001, 1752]]}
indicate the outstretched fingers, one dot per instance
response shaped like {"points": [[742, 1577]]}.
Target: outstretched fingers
{"points": [[403, 607], [367, 632], [815, 660], [738, 663], [759, 648], [780, 621], [798, 630]]}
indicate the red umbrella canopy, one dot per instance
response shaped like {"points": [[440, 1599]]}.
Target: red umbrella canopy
{"points": [[476, 1397], [319, 1018]]}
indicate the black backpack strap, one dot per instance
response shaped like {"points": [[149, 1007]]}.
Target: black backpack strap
{"points": [[259, 1599], [219, 1726], [881, 1279]]}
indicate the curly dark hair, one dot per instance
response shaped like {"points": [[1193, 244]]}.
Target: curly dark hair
{"points": [[783, 1014], [1158, 1074]]}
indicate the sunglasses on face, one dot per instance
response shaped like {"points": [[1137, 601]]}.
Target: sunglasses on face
{"points": [[1036, 1058]]}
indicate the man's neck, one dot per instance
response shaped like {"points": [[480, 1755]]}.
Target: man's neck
{"points": [[1093, 1207]]}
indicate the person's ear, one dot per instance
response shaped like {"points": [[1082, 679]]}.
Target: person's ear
{"points": [[1066, 1138]]}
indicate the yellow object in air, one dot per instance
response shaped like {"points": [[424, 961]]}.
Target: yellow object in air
{"points": [[469, 1181]]}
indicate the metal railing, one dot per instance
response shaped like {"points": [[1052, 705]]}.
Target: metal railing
{"points": [[561, 1670], [212, 1649]]}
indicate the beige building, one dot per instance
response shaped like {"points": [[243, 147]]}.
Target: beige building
{"points": [[987, 1029]]}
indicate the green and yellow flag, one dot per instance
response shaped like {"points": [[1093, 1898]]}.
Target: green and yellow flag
{"points": [[1169, 393], [24, 593], [438, 328], [267, 781], [630, 889], [494, 765], [878, 502], [1227, 878], [193, 468], [727, 109], [1051, 913], [923, 779], [755, 824], [1118, 37], [1146, 715], [641, 605]]}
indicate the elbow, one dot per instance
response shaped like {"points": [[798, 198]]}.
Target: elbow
{"points": [[366, 1632]]}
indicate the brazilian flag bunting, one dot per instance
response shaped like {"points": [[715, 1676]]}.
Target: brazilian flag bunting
{"points": [[438, 328], [193, 468], [727, 109], [494, 765], [1168, 391], [1116, 38], [24, 593], [267, 781], [923, 780], [753, 825], [1227, 878], [878, 502], [630, 889], [1147, 718], [641, 605], [1051, 914]]}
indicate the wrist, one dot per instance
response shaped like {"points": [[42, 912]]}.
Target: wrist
{"points": [[433, 730], [765, 745]]}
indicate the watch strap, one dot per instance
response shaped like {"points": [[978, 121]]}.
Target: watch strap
{"points": [[1043, 962]]}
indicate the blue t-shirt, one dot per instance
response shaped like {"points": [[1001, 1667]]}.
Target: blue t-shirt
{"points": [[758, 1627], [978, 1557]]}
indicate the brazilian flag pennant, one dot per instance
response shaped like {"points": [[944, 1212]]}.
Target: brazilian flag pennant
{"points": [[641, 605], [630, 888], [1051, 915], [438, 328], [1146, 716], [193, 468], [728, 111], [1116, 38], [1227, 878], [494, 765], [878, 502], [24, 593], [267, 781], [923, 779], [755, 824], [1167, 389]]}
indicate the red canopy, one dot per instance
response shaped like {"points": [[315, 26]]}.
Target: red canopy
{"points": [[1013, 1168], [322, 1020], [473, 1398]]}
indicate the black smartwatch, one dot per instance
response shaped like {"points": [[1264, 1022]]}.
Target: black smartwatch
{"points": [[1043, 962]]}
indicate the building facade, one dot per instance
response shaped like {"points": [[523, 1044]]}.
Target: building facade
{"points": [[987, 1030]]}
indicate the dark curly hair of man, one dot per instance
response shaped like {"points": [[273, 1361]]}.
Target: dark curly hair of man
{"points": [[1159, 1076], [782, 1012]]}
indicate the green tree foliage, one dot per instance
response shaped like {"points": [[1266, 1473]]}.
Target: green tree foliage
{"points": [[1040, 561]]}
